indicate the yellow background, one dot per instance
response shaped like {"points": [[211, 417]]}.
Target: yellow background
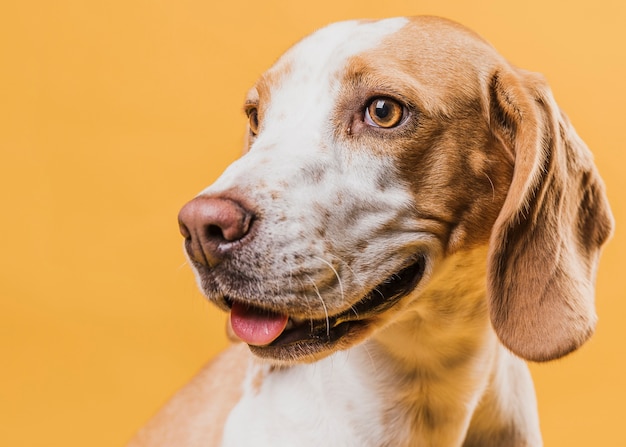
{"points": [[114, 113]]}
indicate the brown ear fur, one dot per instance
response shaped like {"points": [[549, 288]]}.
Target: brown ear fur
{"points": [[545, 244]]}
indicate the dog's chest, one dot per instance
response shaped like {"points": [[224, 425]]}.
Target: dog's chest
{"points": [[331, 399]]}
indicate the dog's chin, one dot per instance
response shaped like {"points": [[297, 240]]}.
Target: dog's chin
{"points": [[308, 340]]}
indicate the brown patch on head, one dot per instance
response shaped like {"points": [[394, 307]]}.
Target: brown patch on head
{"points": [[259, 96], [445, 151], [273, 78]]}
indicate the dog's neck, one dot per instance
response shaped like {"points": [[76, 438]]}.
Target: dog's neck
{"points": [[448, 323], [420, 378], [441, 350]]}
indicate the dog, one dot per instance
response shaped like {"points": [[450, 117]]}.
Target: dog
{"points": [[413, 218]]}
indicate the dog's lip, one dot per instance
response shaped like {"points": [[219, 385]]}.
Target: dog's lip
{"points": [[325, 331]]}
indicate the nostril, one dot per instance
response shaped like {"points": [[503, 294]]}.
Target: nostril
{"points": [[213, 231]]}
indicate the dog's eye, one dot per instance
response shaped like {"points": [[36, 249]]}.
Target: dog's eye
{"points": [[253, 119], [384, 112]]}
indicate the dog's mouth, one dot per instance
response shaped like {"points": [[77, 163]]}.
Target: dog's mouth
{"points": [[278, 335]]}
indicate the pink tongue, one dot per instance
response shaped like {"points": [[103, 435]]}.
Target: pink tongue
{"points": [[256, 327]]}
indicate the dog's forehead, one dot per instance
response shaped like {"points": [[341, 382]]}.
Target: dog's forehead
{"points": [[440, 59], [318, 59], [329, 48]]}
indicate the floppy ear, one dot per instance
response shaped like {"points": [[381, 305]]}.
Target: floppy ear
{"points": [[545, 244]]}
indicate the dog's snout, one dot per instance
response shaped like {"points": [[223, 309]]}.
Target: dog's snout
{"points": [[210, 225]]}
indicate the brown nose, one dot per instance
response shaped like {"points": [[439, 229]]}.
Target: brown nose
{"points": [[209, 225]]}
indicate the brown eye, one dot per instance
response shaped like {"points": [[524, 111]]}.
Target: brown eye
{"points": [[253, 119], [384, 112]]}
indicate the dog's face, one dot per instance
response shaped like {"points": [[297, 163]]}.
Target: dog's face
{"points": [[375, 150]]}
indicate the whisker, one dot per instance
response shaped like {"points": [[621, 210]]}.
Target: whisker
{"points": [[317, 291], [296, 286], [354, 275], [349, 267], [336, 274]]}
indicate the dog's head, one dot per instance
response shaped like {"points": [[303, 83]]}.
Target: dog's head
{"points": [[377, 149]]}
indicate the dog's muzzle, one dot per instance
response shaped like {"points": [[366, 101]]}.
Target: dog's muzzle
{"points": [[214, 227]]}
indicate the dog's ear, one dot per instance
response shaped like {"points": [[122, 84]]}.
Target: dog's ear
{"points": [[546, 241]]}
